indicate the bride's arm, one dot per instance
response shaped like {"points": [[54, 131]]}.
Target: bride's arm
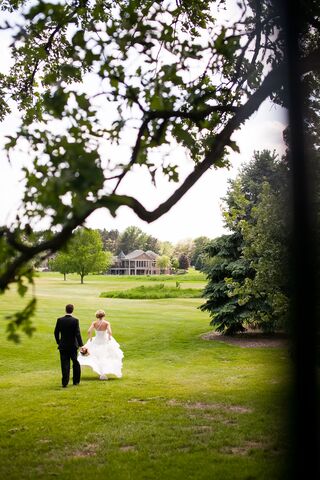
{"points": [[91, 328], [109, 330]]}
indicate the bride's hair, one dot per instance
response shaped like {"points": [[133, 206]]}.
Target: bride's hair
{"points": [[100, 314]]}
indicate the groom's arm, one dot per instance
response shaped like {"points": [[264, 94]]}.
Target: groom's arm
{"points": [[78, 334], [57, 332]]}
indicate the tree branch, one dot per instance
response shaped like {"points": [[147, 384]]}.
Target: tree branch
{"points": [[48, 45], [29, 252], [166, 115], [271, 83]]}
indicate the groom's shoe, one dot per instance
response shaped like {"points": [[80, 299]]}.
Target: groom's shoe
{"points": [[75, 384], [64, 386]]}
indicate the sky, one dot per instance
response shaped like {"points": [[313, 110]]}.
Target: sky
{"points": [[198, 213]]}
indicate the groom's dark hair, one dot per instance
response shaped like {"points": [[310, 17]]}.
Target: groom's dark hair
{"points": [[69, 308]]}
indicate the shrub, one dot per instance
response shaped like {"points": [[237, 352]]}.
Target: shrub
{"points": [[154, 292]]}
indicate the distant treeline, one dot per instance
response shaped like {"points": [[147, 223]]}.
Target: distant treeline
{"points": [[185, 252]]}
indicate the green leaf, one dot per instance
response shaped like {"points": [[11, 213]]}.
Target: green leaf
{"points": [[78, 39]]}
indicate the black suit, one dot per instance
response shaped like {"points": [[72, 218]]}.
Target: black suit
{"points": [[68, 337]]}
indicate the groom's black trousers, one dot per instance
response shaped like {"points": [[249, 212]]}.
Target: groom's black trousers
{"points": [[65, 357]]}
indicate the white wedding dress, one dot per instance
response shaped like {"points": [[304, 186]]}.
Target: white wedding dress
{"points": [[105, 355]]}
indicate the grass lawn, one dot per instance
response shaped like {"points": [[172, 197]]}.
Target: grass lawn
{"points": [[185, 408]]}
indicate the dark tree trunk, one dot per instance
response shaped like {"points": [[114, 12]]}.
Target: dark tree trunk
{"points": [[304, 409]]}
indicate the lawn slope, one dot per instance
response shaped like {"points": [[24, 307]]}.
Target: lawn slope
{"points": [[185, 408]]}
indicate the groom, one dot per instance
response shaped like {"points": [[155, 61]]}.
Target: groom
{"points": [[68, 337]]}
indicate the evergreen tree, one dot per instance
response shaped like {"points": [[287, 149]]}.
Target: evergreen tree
{"points": [[183, 262], [248, 279], [228, 314]]}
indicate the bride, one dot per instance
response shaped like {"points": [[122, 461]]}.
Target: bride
{"points": [[102, 352]]}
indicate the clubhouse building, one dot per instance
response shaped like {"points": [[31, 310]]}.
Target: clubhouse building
{"points": [[137, 262]]}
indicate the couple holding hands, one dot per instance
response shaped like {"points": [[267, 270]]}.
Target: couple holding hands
{"points": [[102, 352]]}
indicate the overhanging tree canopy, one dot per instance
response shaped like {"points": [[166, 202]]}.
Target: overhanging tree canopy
{"points": [[169, 72]]}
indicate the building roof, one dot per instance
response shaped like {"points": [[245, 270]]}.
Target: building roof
{"points": [[134, 254], [152, 254], [138, 253]]}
